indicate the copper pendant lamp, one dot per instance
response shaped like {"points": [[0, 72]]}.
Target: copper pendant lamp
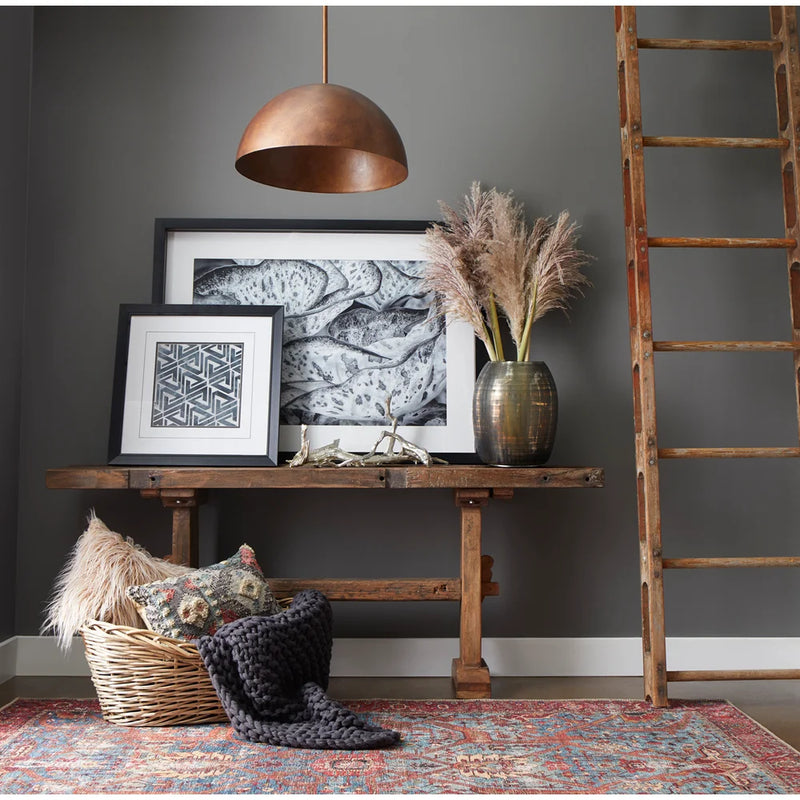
{"points": [[322, 138]]}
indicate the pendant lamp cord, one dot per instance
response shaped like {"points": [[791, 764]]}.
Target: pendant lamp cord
{"points": [[324, 44]]}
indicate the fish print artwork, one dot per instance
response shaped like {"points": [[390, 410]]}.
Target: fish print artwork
{"points": [[356, 332]]}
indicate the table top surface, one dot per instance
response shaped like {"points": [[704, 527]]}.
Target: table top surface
{"points": [[440, 476]]}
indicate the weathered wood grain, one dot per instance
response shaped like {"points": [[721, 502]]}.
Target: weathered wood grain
{"points": [[786, 66], [372, 588], [637, 249], [733, 675], [756, 242], [284, 477], [185, 533], [724, 347], [470, 503], [471, 682], [380, 588], [467, 476], [87, 478], [753, 45], [746, 143], [729, 452], [723, 563]]}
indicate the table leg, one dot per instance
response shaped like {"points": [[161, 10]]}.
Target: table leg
{"points": [[185, 536], [470, 674]]}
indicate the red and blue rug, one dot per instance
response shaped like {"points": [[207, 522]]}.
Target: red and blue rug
{"points": [[448, 746]]}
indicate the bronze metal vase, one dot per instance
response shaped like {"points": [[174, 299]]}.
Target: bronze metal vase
{"points": [[514, 413]]}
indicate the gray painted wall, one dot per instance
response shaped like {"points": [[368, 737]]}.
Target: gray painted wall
{"points": [[137, 113], [15, 65]]}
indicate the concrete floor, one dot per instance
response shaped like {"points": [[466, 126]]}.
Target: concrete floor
{"points": [[774, 704]]}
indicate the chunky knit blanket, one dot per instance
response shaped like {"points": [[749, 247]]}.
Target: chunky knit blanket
{"points": [[271, 675]]}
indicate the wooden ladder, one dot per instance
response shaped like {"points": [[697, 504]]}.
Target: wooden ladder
{"points": [[783, 46]]}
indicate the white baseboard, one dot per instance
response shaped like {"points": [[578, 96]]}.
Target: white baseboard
{"points": [[584, 657], [8, 659], [39, 655]]}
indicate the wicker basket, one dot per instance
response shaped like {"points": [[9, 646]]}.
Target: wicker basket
{"points": [[144, 679]]}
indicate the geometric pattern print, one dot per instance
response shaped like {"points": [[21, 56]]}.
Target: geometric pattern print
{"points": [[446, 747], [197, 385]]}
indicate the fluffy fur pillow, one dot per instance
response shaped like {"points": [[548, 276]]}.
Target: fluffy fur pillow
{"points": [[198, 603], [92, 584]]}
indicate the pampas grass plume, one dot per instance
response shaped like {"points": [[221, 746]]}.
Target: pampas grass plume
{"points": [[92, 583], [486, 257]]}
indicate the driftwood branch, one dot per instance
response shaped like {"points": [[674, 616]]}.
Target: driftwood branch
{"points": [[332, 455], [322, 456]]}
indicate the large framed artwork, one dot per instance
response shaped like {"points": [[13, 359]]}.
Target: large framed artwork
{"points": [[359, 328], [196, 385]]}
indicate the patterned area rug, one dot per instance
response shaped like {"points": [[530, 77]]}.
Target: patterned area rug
{"points": [[448, 746]]}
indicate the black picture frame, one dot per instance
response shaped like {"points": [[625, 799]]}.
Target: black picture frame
{"points": [[227, 355], [180, 243]]}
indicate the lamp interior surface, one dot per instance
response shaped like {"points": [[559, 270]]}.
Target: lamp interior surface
{"points": [[316, 168]]}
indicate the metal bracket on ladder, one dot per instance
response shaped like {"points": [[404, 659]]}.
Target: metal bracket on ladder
{"points": [[784, 48]]}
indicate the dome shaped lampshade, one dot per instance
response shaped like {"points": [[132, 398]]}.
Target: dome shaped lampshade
{"points": [[322, 138]]}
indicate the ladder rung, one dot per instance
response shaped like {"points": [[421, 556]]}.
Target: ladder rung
{"points": [[724, 563], [698, 241], [709, 44], [733, 674], [729, 452], [714, 141], [724, 347]]}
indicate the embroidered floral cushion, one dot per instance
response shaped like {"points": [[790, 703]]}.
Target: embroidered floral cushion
{"points": [[199, 602]]}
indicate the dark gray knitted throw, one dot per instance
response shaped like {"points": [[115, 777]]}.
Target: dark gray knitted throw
{"points": [[271, 674]]}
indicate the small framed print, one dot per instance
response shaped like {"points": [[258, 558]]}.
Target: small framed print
{"points": [[359, 326], [196, 385]]}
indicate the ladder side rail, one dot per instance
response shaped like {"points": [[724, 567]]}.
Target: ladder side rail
{"points": [[643, 374], [786, 62]]}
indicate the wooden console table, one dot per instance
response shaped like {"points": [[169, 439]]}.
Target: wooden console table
{"points": [[182, 489]]}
